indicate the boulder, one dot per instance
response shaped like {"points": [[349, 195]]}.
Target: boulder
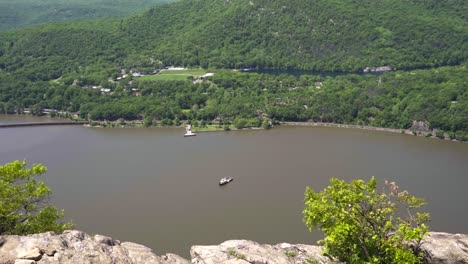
{"points": [[444, 248]]}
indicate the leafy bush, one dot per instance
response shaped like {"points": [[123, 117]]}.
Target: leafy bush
{"points": [[440, 134], [148, 121], [23, 202], [362, 225], [240, 122], [232, 252]]}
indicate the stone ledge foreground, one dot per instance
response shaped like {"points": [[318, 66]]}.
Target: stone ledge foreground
{"points": [[78, 247]]}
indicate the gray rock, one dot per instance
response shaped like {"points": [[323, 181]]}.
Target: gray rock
{"points": [[32, 254], [421, 126], [441, 248], [174, 259], [104, 240], [140, 254], [244, 251], [24, 261], [74, 246], [77, 247]]}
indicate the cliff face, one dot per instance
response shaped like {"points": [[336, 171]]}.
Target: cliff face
{"points": [[77, 247]]}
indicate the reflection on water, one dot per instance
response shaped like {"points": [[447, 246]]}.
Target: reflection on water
{"points": [[155, 187]]}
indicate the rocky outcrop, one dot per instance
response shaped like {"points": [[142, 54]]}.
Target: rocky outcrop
{"points": [[378, 69], [77, 247], [441, 248], [245, 252], [421, 126]]}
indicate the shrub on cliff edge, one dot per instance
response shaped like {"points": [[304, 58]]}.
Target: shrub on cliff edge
{"points": [[23, 202], [362, 225]]}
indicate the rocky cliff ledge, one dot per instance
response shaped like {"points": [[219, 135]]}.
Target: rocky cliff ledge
{"points": [[77, 247]]}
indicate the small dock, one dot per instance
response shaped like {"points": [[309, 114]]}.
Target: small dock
{"points": [[64, 123]]}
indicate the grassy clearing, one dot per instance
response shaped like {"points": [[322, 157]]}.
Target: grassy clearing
{"points": [[175, 75], [187, 72], [209, 128], [164, 77]]}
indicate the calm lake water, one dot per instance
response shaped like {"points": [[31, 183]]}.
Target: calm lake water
{"points": [[155, 187]]}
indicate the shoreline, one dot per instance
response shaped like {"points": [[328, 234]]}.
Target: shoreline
{"points": [[139, 123], [426, 134], [409, 132], [30, 124]]}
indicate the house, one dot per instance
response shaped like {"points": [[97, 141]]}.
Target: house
{"points": [[171, 68]]}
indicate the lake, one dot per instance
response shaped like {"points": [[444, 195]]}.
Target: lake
{"points": [[154, 187]]}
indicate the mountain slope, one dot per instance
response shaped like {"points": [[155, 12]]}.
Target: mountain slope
{"points": [[320, 35], [323, 35], [20, 13]]}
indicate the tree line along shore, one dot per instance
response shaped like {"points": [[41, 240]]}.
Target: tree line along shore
{"points": [[436, 98]]}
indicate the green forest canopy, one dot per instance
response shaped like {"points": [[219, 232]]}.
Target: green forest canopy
{"points": [[21, 13]]}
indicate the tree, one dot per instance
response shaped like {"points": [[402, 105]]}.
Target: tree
{"points": [[266, 123], [240, 122], [177, 121], [37, 110], [203, 123], [148, 121], [23, 202], [362, 225]]}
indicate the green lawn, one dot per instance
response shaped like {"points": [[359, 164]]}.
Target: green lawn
{"points": [[175, 75], [164, 77], [208, 128], [188, 72]]}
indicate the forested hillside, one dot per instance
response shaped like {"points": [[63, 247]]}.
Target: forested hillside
{"points": [[328, 35], [324, 35], [20, 13], [56, 65]]}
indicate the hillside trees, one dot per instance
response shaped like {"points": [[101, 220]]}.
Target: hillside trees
{"points": [[339, 35], [22, 13], [438, 97], [327, 36]]}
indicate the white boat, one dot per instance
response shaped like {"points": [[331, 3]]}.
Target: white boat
{"points": [[188, 131], [224, 181]]}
